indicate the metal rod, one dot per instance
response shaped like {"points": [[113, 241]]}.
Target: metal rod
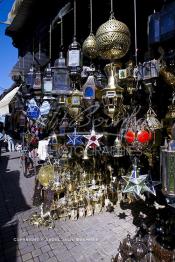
{"points": [[75, 19], [50, 43], [91, 16], [135, 29], [112, 8], [61, 31], [39, 55], [33, 51]]}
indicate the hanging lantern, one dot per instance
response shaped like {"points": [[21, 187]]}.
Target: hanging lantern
{"points": [[89, 47], [89, 88], [93, 138], [74, 103], [112, 94], [112, 39], [74, 60], [152, 121], [143, 136], [61, 81], [37, 85], [129, 136], [74, 55], [167, 164], [30, 77], [137, 135], [47, 81]]}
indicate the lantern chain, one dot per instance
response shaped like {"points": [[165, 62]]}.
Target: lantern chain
{"points": [[75, 19]]}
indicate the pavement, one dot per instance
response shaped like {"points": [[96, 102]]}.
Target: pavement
{"points": [[94, 238]]}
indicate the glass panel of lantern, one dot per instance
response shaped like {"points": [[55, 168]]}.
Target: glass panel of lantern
{"points": [[47, 81], [61, 81], [30, 77]]}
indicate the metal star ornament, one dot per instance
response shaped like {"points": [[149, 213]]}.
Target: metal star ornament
{"points": [[74, 139], [136, 184], [93, 139]]}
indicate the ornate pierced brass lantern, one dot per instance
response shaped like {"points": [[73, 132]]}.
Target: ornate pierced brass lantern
{"points": [[112, 39], [89, 47]]}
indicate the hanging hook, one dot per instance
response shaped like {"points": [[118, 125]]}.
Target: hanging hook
{"points": [[50, 44], [75, 19], [91, 30], [112, 10], [135, 29]]}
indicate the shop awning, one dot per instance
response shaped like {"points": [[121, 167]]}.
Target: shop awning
{"points": [[5, 101], [14, 10]]}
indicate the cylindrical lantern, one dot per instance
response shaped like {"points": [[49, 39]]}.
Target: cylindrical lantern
{"points": [[74, 59], [61, 81], [47, 81], [30, 77], [168, 172]]}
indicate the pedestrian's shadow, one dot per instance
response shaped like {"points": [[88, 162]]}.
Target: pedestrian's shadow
{"points": [[12, 201]]}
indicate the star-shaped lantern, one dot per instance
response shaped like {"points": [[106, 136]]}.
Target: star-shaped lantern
{"points": [[74, 139], [137, 184], [93, 139], [151, 184]]}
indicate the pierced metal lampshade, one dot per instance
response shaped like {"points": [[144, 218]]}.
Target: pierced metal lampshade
{"points": [[89, 47], [113, 39]]}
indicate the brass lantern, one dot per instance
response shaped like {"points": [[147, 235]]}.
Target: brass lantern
{"points": [[74, 103], [112, 39], [112, 94], [89, 47]]}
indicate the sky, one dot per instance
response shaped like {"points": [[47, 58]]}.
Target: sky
{"points": [[8, 53]]}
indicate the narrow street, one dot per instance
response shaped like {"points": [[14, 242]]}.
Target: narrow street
{"points": [[93, 238]]}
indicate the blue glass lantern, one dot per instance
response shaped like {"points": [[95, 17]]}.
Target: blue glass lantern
{"points": [[89, 88]]}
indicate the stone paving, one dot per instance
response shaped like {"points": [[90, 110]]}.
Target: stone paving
{"points": [[88, 239]]}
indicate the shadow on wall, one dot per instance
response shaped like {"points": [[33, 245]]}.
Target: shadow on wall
{"points": [[12, 201]]}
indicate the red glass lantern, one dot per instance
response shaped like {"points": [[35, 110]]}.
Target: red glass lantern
{"points": [[130, 136], [143, 136]]}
